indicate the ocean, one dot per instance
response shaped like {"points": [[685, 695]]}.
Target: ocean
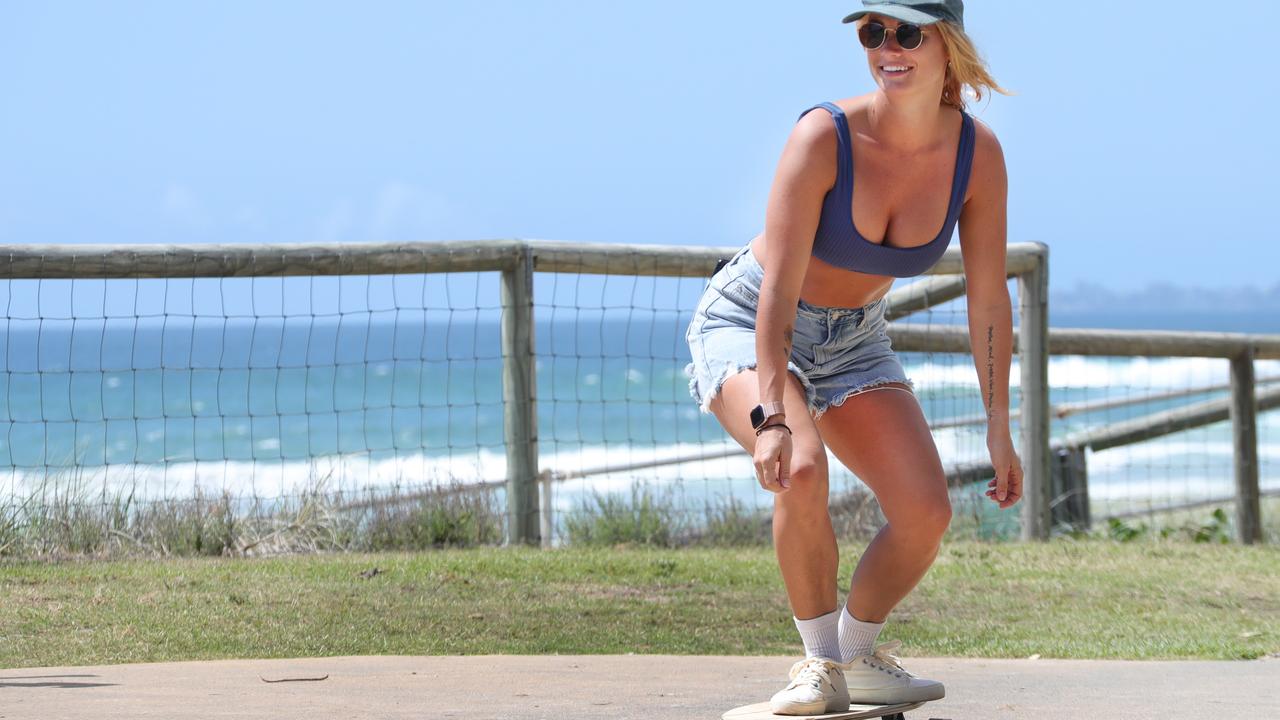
{"points": [[269, 407]]}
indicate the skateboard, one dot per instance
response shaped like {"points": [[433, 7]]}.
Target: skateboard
{"points": [[762, 711]]}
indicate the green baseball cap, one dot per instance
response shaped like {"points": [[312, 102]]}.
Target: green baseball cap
{"points": [[919, 12]]}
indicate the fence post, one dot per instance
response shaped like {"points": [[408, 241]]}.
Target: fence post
{"points": [[519, 402], [1069, 491], [1244, 435], [1033, 359]]}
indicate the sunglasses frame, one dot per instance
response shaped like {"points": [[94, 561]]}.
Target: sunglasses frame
{"points": [[885, 35]]}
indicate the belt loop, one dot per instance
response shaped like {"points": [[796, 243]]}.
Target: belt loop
{"points": [[868, 309]]}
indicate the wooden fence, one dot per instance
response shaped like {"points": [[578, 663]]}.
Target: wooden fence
{"points": [[1056, 484]]}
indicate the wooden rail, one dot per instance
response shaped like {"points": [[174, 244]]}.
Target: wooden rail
{"points": [[274, 260]]}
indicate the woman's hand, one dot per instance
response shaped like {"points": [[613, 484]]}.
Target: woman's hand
{"points": [[1006, 487], [772, 459]]}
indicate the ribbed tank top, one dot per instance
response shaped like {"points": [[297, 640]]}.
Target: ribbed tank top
{"points": [[838, 241]]}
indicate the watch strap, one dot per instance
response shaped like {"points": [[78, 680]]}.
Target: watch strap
{"points": [[761, 413], [773, 408]]}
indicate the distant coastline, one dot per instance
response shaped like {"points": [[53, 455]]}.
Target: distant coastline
{"points": [[1165, 297], [1157, 307]]}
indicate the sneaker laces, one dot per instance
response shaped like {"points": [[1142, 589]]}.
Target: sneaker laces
{"points": [[884, 653], [812, 671]]}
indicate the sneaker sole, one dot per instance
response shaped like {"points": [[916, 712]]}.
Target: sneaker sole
{"points": [[764, 711]]}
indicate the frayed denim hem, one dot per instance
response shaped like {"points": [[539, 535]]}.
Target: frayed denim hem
{"points": [[731, 369], [864, 387]]}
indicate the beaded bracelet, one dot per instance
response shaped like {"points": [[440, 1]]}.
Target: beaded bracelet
{"points": [[774, 425]]}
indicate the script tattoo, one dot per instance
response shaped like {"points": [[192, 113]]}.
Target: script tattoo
{"points": [[991, 370]]}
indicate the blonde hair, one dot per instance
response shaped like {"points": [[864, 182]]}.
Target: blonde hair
{"points": [[966, 68]]}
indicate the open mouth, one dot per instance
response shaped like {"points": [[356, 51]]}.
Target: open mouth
{"points": [[895, 70]]}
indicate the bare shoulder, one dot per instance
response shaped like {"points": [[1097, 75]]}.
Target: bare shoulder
{"points": [[814, 131], [810, 153], [986, 145], [988, 173]]}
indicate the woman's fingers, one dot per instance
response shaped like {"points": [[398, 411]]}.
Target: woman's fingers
{"points": [[784, 466], [1010, 483], [772, 463], [764, 473], [769, 478]]}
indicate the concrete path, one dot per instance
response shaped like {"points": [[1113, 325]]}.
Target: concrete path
{"points": [[612, 687]]}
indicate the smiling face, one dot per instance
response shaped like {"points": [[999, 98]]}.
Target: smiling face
{"points": [[922, 70]]}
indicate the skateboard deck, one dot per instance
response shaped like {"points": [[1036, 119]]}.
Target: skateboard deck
{"points": [[762, 711]]}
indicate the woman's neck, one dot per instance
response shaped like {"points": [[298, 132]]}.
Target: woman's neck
{"points": [[906, 124]]}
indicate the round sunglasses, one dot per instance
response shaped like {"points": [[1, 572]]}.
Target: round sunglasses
{"points": [[872, 35]]}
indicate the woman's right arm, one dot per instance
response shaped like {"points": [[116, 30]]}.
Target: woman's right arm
{"points": [[806, 171]]}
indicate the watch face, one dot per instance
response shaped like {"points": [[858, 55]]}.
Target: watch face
{"points": [[757, 416]]}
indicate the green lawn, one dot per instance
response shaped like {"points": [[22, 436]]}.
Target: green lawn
{"points": [[1076, 599]]}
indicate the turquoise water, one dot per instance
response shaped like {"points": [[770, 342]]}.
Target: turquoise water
{"points": [[267, 407]]}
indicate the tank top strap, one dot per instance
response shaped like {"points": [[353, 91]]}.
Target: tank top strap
{"points": [[964, 164], [844, 159]]}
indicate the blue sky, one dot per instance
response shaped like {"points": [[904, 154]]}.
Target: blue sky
{"points": [[1141, 143]]}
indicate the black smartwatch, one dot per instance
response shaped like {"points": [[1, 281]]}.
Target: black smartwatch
{"points": [[760, 413]]}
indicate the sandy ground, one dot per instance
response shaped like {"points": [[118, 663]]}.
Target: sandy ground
{"points": [[652, 687]]}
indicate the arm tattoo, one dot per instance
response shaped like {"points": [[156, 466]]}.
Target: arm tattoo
{"points": [[991, 370], [786, 346]]}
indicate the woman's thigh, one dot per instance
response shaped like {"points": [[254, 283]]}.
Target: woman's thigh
{"points": [[732, 407], [882, 436]]}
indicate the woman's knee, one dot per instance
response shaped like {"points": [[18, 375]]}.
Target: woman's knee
{"points": [[807, 478], [927, 521]]}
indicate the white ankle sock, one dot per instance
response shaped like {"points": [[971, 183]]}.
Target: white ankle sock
{"points": [[821, 635], [856, 637]]}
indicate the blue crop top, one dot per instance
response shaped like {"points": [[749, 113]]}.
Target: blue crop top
{"points": [[838, 241]]}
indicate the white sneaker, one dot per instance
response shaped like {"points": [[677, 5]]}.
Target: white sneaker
{"points": [[880, 679], [817, 687]]}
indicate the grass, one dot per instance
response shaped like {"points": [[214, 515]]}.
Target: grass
{"points": [[61, 520], [1214, 523], [608, 519], [1062, 599], [398, 572]]}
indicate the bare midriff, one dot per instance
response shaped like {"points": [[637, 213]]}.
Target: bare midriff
{"points": [[826, 285]]}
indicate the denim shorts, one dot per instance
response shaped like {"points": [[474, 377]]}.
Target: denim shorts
{"points": [[836, 352]]}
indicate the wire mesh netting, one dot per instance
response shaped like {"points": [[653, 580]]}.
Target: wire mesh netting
{"points": [[269, 389]]}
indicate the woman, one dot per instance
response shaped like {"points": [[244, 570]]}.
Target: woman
{"points": [[806, 299]]}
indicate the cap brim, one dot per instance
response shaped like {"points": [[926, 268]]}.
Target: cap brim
{"points": [[897, 12]]}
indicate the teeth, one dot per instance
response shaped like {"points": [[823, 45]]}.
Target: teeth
{"points": [[895, 68]]}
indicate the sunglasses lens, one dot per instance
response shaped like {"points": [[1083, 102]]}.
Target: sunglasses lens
{"points": [[871, 35], [909, 36]]}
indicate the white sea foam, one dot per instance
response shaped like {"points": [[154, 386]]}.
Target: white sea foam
{"points": [[263, 479], [1078, 371], [1118, 471], [1186, 466]]}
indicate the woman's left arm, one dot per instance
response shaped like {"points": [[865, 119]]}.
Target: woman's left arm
{"points": [[983, 235]]}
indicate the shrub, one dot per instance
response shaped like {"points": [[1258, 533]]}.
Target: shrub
{"points": [[644, 520]]}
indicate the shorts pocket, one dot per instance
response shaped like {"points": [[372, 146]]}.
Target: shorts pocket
{"points": [[741, 293]]}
